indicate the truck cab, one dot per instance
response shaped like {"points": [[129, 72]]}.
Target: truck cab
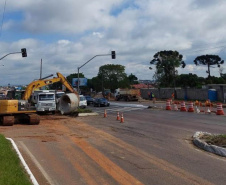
{"points": [[44, 101]]}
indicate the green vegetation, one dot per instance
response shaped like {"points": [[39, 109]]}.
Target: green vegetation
{"points": [[166, 63], [218, 140], [84, 110], [11, 170]]}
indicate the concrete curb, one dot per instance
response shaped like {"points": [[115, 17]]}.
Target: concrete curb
{"points": [[88, 114], [209, 148], [33, 180]]}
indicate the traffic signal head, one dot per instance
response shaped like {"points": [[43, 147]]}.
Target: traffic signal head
{"points": [[24, 52], [113, 55]]}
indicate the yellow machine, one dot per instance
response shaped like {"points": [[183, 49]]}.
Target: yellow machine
{"points": [[18, 111]]}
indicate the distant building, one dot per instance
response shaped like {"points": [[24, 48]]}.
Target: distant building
{"points": [[141, 86]]}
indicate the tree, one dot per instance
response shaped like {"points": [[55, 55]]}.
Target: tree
{"points": [[111, 76], [208, 60], [188, 80], [132, 79], [166, 63]]}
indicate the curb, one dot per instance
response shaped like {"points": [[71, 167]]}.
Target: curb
{"points": [[33, 180], [88, 114], [209, 148]]}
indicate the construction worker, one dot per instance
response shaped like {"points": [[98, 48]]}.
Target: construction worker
{"points": [[149, 95], [173, 96]]}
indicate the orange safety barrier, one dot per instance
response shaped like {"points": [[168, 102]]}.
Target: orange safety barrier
{"points": [[122, 119], [175, 107], [220, 110], [183, 107], [118, 117], [190, 107], [168, 106], [105, 113]]}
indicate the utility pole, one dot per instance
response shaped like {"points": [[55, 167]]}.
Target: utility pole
{"points": [[41, 70]]}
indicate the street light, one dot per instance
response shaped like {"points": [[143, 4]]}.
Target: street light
{"points": [[113, 56]]}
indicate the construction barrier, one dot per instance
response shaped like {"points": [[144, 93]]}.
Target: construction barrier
{"points": [[190, 107], [175, 107], [183, 107], [168, 106], [220, 110]]}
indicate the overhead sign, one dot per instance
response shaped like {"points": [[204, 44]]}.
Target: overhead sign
{"points": [[82, 82]]}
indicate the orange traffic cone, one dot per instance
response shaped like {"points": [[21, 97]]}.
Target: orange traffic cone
{"points": [[105, 113], [190, 107], [122, 119], [220, 110], [118, 117], [183, 107], [168, 106]]}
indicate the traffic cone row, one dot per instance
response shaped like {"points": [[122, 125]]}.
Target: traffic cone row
{"points": [[198, 108], [117, 118]]}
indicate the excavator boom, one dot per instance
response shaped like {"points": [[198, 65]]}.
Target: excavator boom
{"points": [[41, 83]]}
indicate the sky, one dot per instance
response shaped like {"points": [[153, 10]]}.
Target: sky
{"points": [[66, 34]]}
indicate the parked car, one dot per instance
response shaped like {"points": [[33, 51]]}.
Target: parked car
{"points": [[89, 100], [82, 101], [101, 102]]}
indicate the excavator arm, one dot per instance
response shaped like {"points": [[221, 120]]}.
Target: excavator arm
{"points": [[40, 83]]}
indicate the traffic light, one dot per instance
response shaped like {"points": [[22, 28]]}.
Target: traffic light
{"points": [[113, 55], [24, 52]]}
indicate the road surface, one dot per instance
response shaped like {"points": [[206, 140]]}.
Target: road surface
{"points": [[152, 146]]}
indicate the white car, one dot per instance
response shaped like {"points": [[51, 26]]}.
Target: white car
{"points": [[82, 101]]}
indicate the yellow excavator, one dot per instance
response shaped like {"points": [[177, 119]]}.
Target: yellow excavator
{"points": [[20, 111]]}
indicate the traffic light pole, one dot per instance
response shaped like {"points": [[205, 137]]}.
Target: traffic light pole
{"points": [[23, 51], [113, 57]]}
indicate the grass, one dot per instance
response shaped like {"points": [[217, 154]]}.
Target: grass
{"points": [[218, 140], [84, 110], [11, 170]]}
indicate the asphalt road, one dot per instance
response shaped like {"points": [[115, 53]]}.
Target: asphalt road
{"points": [[152, 146]]}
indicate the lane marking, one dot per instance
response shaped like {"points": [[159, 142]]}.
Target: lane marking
{"points": [[50, 181]]}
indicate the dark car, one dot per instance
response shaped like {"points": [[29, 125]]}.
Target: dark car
{"points": [[101, 102], [89, 100]]}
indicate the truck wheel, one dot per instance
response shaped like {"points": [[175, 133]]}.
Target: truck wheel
{"points": [[53, 112]]}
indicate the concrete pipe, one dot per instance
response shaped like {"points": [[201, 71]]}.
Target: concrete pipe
{"points": [[68, 103]]}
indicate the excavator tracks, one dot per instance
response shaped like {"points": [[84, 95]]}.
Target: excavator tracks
{"points": [[30, 119], [7, 120], [34, 119]]}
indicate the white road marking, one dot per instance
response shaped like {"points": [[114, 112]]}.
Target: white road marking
{"points": [[37, 164], [119, 109]]}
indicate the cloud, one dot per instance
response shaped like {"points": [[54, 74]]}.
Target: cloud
{"points": [[68, 33]]}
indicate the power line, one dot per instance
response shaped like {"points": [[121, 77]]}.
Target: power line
{"points": [[3, 15]]}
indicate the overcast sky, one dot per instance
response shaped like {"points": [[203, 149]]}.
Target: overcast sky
{"points": [[65, 34]]}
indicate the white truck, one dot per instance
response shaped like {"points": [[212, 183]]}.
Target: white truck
{"points": [[127, 94], [44, 101]]}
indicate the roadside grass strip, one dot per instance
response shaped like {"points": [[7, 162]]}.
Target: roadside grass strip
{"points": [[11, 169]]}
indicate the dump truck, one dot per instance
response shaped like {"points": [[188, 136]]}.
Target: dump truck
{"points": [[127, 94]]}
